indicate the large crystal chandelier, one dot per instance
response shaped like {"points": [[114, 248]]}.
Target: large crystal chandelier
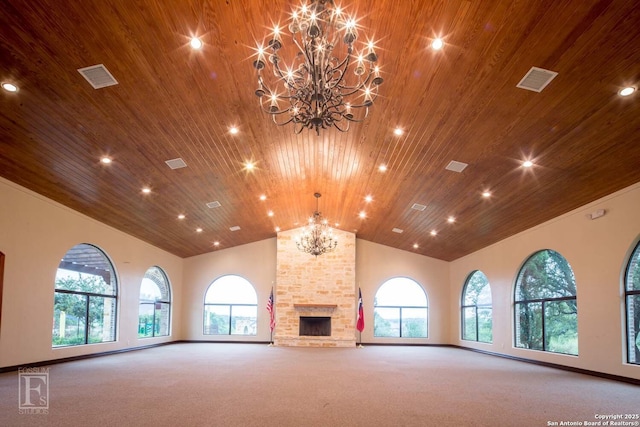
{"points": [[317, 237], [327, 80]]}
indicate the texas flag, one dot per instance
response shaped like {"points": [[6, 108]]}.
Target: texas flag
{"points": [[360, 323]]}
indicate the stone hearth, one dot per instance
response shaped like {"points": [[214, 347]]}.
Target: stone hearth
{"points": [[308, 286]]}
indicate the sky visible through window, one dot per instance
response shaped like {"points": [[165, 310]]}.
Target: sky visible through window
{"points": [[231, 290], [401, 291]]}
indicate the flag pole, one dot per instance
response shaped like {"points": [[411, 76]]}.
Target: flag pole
{"points": [[270, 309], [360, 321]]}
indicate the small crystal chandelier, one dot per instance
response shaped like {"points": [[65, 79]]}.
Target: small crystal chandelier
{"points": [[317, 237], [329, 82]]}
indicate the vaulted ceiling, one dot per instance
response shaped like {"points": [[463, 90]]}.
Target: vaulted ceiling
{"points": [[459, 103]]}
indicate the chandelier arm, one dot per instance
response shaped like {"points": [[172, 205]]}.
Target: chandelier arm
{"points": [[284, 78], [274, 113], [360, 85], [335, 124], [273, 116]]}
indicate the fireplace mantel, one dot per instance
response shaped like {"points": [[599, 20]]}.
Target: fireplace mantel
{"points": [[316, 306]]}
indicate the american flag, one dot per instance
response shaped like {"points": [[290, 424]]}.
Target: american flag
{"points": [[272, 320]]}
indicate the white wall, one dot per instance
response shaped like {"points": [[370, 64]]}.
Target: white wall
{"points": [[256, 262], [35, 233], [597, 251], [375, 264]]}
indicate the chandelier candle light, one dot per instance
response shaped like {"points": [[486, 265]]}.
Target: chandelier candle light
{"points": [[328, 80], [317, 237]]}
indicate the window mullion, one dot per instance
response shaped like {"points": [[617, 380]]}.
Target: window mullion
{"points": [[86, 322]]}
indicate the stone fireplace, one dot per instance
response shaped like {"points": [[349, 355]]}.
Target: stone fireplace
{"points": [[315, 293]]}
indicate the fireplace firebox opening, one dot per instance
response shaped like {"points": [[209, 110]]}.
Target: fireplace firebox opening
{"points": [[315, 326]]}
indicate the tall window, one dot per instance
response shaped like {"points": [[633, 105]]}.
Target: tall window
{"points": [[155, 304], [230, 307], [85, 295], [632, 302], [546, 312], [476, 309], [400, 309]]}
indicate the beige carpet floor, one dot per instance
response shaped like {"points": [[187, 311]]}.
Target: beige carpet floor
{"points": [[256, 385]]}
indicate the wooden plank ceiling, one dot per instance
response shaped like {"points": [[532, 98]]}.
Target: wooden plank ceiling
{"points": [[460, 103]]}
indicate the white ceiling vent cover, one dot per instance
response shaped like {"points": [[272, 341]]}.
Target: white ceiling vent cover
{"points": [[212, 205], [397, 230], [234, 228], [98, 76], [456, 166], [418, 207], [536, 79], [176, 163]]}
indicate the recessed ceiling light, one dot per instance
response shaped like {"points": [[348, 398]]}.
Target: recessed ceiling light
{"points": [[146, 190], [181, 216], [270, 213], [362, 214], [106, 160], [382, 168], [437, 44], [9, 87], [398, 131], [486, 194], [527, 163], [451, 219], [368, 199], [277, 229], [263, 197], [216, 243], [233, 130], [623, 92], [337, 224], [196, 43], [198, 230], [433, 232], [249, 166], [415, 246]]}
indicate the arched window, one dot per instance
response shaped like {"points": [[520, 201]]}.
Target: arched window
{"points": [[230, 307], [477, 324], [546, 312], [84, 310], [400, 309], [155, 304], [632, 302]]}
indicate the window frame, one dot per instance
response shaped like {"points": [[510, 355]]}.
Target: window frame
{"points": [[230, 305], [630, 341], [400, 308], [542, 302], [167, 301], [87, 298], [464, 306]]}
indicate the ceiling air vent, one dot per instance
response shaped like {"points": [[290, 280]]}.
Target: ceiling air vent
{"points": [[234, 228], [176, 163], [456, 166], [536, 79], [212, 205], [418, 207], [397, 230], [98, 76]]}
